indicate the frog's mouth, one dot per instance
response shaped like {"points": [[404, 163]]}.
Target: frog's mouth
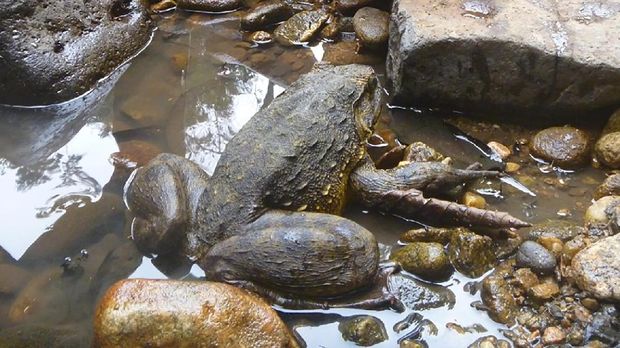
{"points": [[367, 107]]}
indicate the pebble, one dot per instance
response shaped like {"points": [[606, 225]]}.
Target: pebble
{"points": [[544, 291], [266, 13], [261, 37], [500, 149], [209, 5], [511, 167], [472, 199], [471, 254], [534, 256], [554, 245], [426, 260], [371, 28], [613, 124], [567, 147], [607, 150], [363, 330], [553, 335], [609, 187]]}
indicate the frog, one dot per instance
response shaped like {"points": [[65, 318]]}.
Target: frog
{"points": [[269, 217]]}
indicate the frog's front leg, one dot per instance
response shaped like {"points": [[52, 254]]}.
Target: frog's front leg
{"points": [[399, 191], [163, 196], [307, 260]]}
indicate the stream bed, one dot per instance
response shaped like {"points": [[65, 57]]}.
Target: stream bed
{"points": [[65, 229]]}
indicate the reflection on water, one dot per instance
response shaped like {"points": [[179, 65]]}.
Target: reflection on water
{"points": [[63, 217]]}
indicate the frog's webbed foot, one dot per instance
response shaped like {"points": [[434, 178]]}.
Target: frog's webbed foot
{"points": [[162, 196], [389, 191]]}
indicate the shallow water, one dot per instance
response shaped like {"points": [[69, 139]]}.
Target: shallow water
{"points": [[189, 92]]}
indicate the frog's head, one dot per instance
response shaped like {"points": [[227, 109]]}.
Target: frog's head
{"points": [[360, 89], [367, 103]]}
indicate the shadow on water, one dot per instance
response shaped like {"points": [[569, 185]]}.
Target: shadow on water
{"points": [[65, 229]]}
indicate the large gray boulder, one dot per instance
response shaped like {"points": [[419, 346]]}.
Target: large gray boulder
{"points": [[55, 50], [541, 57]]}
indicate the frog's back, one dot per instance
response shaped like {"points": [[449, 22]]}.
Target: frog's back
{"points": [[297, 153]]}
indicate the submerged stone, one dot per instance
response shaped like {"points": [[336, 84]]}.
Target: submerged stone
{"points": [[141, 312], [427, 260], [58, 50], [543, 58], [471, 254], [418, 295], [363, 330]]}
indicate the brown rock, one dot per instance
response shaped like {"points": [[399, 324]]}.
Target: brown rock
{"points": [[371, 27], [567, 147], [472, 199], [141, 312], [597, 268], [500, 149], [553, 335], [544, 291], [209, 5], [607, 150], [609, 187]]}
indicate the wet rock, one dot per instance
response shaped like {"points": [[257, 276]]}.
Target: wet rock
{"points": [[567, 147], [140, 312], [349, 6], [554, 245], [597, 268], [553, 335], [347, 24], [371, 28], [266, 14], [163, 6], [561, 229], [427, 260], [58, 50], [496, 295], [420, 152], [332, 30], [418, 295], [607, 150], [12, 278], [300, 28], [65, 336], [604, 327], [409, 343], [430, 234], [543, 58], [363, 330], [535, 257], [511, 167], [471, 254], [609, 187], [260, 37], [601, 218], [613, 124], [209, 5], [475, 200], [525, 279], [504, 248], [118, 264], [500, 149], [543, 292], [489, 342]]}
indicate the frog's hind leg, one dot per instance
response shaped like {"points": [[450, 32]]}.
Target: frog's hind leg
{"points": [[399, 191], [293, 259], [162, 196]]}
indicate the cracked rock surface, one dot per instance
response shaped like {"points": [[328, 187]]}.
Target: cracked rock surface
{"points": [[546, 58]]}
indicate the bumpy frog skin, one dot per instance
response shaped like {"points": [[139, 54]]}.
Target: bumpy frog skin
{"points": [[267, 218]]}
